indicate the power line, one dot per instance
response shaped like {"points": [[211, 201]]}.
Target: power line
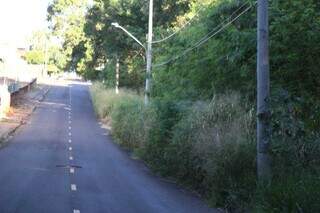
{"points": [[237, 10], [207, 37], [197, 13], [180, 29]]}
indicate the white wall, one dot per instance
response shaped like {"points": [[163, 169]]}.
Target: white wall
{"points": [[14, 67]]}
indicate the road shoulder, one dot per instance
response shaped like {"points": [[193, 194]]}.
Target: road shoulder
{"points": [[22, 107]]}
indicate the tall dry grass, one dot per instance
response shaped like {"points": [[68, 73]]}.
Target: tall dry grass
{"points": [[104, 99], [210, 147]]}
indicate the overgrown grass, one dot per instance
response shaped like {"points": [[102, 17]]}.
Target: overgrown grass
{"points": [[104, 100], [210, 147], [130, 119]]}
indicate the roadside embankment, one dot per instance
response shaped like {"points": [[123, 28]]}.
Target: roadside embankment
{"points": [[22, 103], [209, 146], [206, 146], [10, 90]]}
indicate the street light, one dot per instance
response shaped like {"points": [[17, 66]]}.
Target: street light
{"points": [[117, 25], [148, 50]]}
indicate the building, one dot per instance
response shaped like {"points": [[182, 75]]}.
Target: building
{"points": [[12, 64]]}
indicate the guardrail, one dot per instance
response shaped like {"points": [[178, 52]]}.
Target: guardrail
{"points": [[13, 87], [16, 88]]}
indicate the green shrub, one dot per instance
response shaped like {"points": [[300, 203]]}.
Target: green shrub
{"points": [[210, 147], [295, 149], [291, 192], [167, 114], [131, 122], [105, 99], [212, 150]]}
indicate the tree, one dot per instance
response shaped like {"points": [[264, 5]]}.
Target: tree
{"points": [[35, 57], [67, 21], [38, 44]]}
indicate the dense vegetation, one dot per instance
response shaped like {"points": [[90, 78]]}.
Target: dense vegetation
{"points": [[200, 125], [43, 50]]}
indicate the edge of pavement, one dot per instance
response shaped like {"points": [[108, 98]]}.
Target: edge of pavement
{"points": [[33, 98]]}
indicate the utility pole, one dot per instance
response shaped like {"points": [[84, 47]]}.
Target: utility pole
{"points": [[263, 94], [117, 74], [149, 54], [45, 67]]}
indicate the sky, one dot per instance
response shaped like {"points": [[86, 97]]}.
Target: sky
{"points": [[19, 18]]}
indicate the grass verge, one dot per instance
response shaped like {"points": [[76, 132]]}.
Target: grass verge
{"points": [[210, 147]]}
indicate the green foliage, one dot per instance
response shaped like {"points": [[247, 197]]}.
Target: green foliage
{"points": [[56, 59], [129, 76], [132, 123], [219, 135], [67, 19], [227, 61], [223, 63], [35, 57], [44, 50], [131, 120], [294, 29], [89, 40], [295, 153], [205, 145], [210, 147], [103, 100], [37, 52], [297, 192]]}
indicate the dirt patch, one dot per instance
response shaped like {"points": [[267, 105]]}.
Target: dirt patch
{"points": [[20, 111]]}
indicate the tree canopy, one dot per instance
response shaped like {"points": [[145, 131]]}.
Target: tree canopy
{"points": [[211, 46]]}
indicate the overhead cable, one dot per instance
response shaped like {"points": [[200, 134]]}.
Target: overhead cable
{"points": [[180, 29], [207, 37], [197, 13]]}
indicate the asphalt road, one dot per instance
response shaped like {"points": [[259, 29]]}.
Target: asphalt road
{"points": [[62, 161]]}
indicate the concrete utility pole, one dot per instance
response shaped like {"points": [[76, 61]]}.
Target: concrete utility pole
{"points": [[117, 75], [263, 94], [45, 64], [148, 50], [149, 54]]}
